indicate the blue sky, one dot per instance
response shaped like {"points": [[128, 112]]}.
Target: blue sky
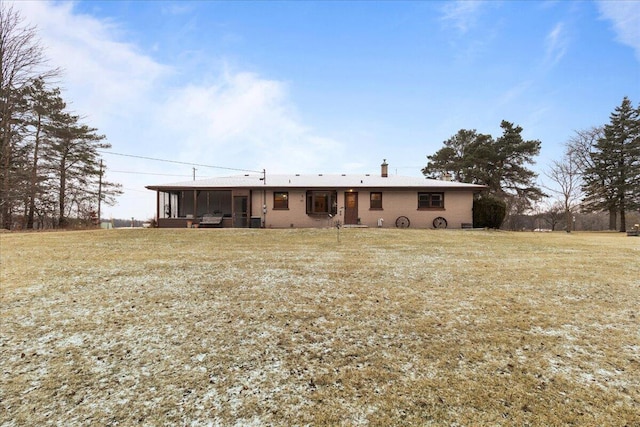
{"points": [[330, 87]]}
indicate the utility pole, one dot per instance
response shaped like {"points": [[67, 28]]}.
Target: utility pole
{"points": [[99, 191], [194, 174]]}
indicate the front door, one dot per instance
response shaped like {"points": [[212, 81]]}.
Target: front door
{"points": [[350, 208], [240, 211]]}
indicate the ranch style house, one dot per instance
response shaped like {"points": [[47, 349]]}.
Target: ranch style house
{"points": [[322, 200]]}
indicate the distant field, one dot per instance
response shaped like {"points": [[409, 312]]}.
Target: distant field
{"points": [[291, 327]]}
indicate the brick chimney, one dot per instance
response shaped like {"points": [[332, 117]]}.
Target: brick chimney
{"points": [[385, 169]]}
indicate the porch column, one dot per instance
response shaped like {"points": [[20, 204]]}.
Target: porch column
{"points": [[195, 204]]}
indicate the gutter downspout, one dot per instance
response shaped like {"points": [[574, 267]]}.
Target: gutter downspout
{"points": [[264, 198]]}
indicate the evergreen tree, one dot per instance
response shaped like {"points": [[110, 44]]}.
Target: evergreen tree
{"points": [[580, 147], [73, 161], [513, 153], [46, 156], [500, 164], [107, 191], [461, 157], [44, 105], [612, 181], [21, 61]]}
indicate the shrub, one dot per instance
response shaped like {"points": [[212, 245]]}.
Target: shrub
{"points": [[488, 212]]}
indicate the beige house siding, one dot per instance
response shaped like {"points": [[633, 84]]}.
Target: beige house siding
{"points": [[187, 203], [294, 217], [458, 209]]}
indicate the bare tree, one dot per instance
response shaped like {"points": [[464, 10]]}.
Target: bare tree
{"points": [[566, 174], [553, 215], [582, 145], [22, 61]]}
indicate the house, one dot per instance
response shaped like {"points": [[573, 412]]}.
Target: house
{"points": [[299, 201]]}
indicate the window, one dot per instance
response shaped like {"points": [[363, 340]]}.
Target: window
{"points": [[280, 200], [430, 200], [322, 202], [375, 200]]}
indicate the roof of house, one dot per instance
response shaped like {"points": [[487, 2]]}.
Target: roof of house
{"points": [[318, 181]]}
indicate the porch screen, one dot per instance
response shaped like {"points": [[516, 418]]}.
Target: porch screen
{"points": [[169, 204], [176, 204], [214, 201]]}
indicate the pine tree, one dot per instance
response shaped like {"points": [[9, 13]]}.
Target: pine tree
{"points": [[73, 161], [463, 156], [580, 147], [47, 156], [612, 182], [500, 164], [44, 105], [21, 61], [513, 153]]}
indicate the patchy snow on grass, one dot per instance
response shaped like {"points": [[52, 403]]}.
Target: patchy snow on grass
{"points": [[288, 327]]}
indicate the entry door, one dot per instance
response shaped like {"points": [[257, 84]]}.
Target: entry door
{"points": [[350, 208], [240, 211]]}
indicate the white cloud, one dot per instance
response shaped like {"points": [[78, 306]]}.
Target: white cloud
{"points": [[461, 15], [556, 44], [244, 119], [625, 17], [236, 119], [173, 8], [100, 73], [468, 37], [515, 93]]}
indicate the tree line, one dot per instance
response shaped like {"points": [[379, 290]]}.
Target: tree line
{"points": [[51, 171], [52, 174], [598, 172]]}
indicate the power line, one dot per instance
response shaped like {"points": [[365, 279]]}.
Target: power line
{"points": [[149, 173], [180, 163], [134, 189]]}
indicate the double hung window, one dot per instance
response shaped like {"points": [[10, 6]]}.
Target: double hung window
{"points": [[280, 200], [375, 201], [430, 200]]}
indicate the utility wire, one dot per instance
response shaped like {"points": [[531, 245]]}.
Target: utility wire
{"points": [[137, 190], [177, 162], [149, 173]]}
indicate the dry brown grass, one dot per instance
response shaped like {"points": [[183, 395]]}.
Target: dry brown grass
{"points": [[288, 327]]}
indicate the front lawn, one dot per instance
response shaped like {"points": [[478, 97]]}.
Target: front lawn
{"points": [[291, 327]]}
